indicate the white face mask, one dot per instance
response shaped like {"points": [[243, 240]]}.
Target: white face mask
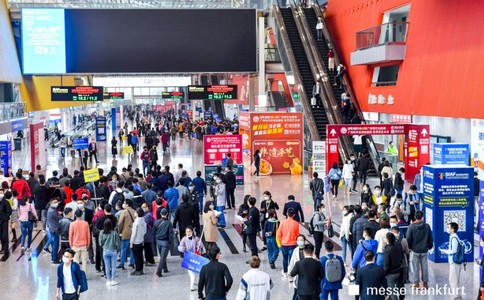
{"points": [[211, 206], [266, 197], [218, 181], [448, 231], [191, 188], [344, 213], [55, 205], [393, 225], [80, 206], [300, 243], [65, 260], [124, 206], [365, 189], [378, 192]]}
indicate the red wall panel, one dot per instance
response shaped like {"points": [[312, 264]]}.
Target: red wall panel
{"points": [[441, 73]]}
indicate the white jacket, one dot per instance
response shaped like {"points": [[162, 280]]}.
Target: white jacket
{"points": [[348, 171], [345, 226], [138, 231], [255, 284]]}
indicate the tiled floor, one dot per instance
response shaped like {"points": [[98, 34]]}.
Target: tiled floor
{"points": [[33, 277]]}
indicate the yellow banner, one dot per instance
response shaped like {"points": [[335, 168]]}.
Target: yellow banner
{"points": [[127, 150], [91, 175]]}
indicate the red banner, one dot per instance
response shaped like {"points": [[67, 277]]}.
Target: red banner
{"points": [[276, 125], [169, 105], [216, 148], [279, 156], [37, 146]]}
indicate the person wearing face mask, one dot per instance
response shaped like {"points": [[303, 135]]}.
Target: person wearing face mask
{"points": [[406, 252], [378, 198], [221, 195], [320, 223], [125, 223], [347, 175], [68, 277], [380, 237], [53, 218], [366, 194], [413, 199], [288, 234], [163, 234], [194, 198], [367, 244], [210, 219], [109, 242], [345, 233], [297, 255], [266, 204], [392, 265], [64, 225], [80, 239], [87, 208], [149, 236], [136, 241], [191, 243]]}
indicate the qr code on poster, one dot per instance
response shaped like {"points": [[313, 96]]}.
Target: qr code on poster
{"points": [[457, 216]]}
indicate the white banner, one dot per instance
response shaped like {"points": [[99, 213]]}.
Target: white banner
{"points": [[319, 158]]}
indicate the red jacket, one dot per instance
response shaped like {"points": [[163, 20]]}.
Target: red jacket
{"points": [[145, 156], [22, 188]]}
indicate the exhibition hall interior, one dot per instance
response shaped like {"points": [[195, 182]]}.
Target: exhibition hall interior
{"points": [[241, 149]]}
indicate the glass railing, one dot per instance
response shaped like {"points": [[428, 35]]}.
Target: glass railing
{"points": [[388, 33], [11, 111]]}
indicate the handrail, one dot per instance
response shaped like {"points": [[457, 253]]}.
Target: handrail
{"points": [[319, 72], [347, 83], [372, 36], [295, 71]]}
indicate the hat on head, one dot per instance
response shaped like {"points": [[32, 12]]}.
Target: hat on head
{"points": [[164, 212]]}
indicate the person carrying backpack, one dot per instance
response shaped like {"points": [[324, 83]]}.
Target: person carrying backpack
{"points": [[335, 176], [317, 227], [334, 272], [317, 188], [456, 257], [71, 280]]}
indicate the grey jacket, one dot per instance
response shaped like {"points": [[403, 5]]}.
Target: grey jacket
{"points": [[109, 241], [53, 219], [64, 229]]}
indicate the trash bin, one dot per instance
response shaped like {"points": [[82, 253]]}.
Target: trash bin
{"points": [[17, 144]]}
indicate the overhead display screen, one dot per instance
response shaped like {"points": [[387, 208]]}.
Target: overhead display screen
{"points": [[43, 41], [57, 41], [172, 95], [212, 92], [113, 95], [76, 93]]}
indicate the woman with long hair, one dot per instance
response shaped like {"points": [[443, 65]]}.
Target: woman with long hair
{"points": [[210, 220], [244, 212], [26, 226], [109, 241], [335, 176], [191, 243]]}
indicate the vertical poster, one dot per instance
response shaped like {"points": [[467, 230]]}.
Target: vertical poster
{"points": [[477, 146], [37, 145], [101, 134], [319, 158], [449, 197], [5, 155], [113, 121]]}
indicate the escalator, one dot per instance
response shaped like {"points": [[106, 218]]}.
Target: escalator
{"points": [[319, 114]]}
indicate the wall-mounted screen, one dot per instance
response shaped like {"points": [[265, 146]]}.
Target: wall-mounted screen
{"points": [[57, 41]]}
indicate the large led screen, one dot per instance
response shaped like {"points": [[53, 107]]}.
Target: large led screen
{"points": [[43, 41], [141, 41]]}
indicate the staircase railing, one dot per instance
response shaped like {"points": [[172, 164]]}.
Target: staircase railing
{"points": [[347, 83], [282, 33], [319, 72]]}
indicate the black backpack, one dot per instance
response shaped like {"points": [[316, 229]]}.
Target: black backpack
{"points": [[117, 197], [311, 223]]}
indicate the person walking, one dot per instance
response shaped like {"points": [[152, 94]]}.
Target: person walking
{"points": [[319, 224], [341, 69], [191, 242], [53, 218], [79, 239], [210, 219], [93, 151], [244, 214], [253, 226], [334, 273], [266, 204], [287, 234], [255, 283], [125, 224], [185, 216], [221, 195], [270, 230], [455, 268], [335, 176], [64, 226], [296, 256], [148, 243], [114, 147], [296, 207], [26, 225], [163, 234], [109, 241], [348, 170], [69, 277], [373, 282], [145, 157], [331, 60], [310, 273], [345, 232], [256, 162], [420, 241], [136, 241], [230, 185], [200, 187], [317, 190], [319, 29], [215, 278], [392, 265]]}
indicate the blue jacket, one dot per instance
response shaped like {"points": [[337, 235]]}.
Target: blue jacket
{"points": [[75, 273], [134, 140], [359, 257], [298, 212], [325, 285], [200, 185], [171, 195]]}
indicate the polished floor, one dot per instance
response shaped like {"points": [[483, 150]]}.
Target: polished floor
{"points": [[31, 276]]}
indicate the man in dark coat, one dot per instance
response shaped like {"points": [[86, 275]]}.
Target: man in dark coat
{"points": [[230, 184]]}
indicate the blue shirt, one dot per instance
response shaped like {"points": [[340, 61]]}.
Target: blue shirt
{"points": [[200, 185], [453, 245], [171, 195], [325, 285], [359, 257]]}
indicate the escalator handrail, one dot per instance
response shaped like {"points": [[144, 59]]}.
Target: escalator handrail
{"points": [[318, 70], [295, 72], [349, 88]]}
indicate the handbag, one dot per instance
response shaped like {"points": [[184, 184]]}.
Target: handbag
{"points": [[31, 217], [341, 183], [330, 231]]}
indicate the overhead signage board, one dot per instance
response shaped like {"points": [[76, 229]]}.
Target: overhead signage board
{"points": [[366, 129], [76, 93], [212, 92], [216, 148], [173, 95], [451, 154], [113, 95]]}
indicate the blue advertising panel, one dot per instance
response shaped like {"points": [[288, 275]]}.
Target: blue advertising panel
{"points": [[481, 214], [449, 197], [193, 262], [81, 143], [451, 154], [212, 169], [101, 134], [113, 120], [18, 125], [5, 155]]}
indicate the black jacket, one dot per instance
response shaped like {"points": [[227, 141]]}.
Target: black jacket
{"points": [[264, 208], [364, 163], [216, 279], [75, 182], [230, 182], [5, 211], [310, 273], [399, 182], [419, 237], [185, 216], [39, 193], [374, 227], [253, 221], [392, 259], [376, 280], [163, 230]]}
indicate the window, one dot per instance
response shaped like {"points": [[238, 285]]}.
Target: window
{"points": [[384, 76]]}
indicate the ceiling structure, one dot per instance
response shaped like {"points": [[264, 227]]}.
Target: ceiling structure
{"points": [[139, 4]]}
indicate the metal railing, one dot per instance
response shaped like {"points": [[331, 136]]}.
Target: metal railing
{"points": [[384, 34], [9, 110]]}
